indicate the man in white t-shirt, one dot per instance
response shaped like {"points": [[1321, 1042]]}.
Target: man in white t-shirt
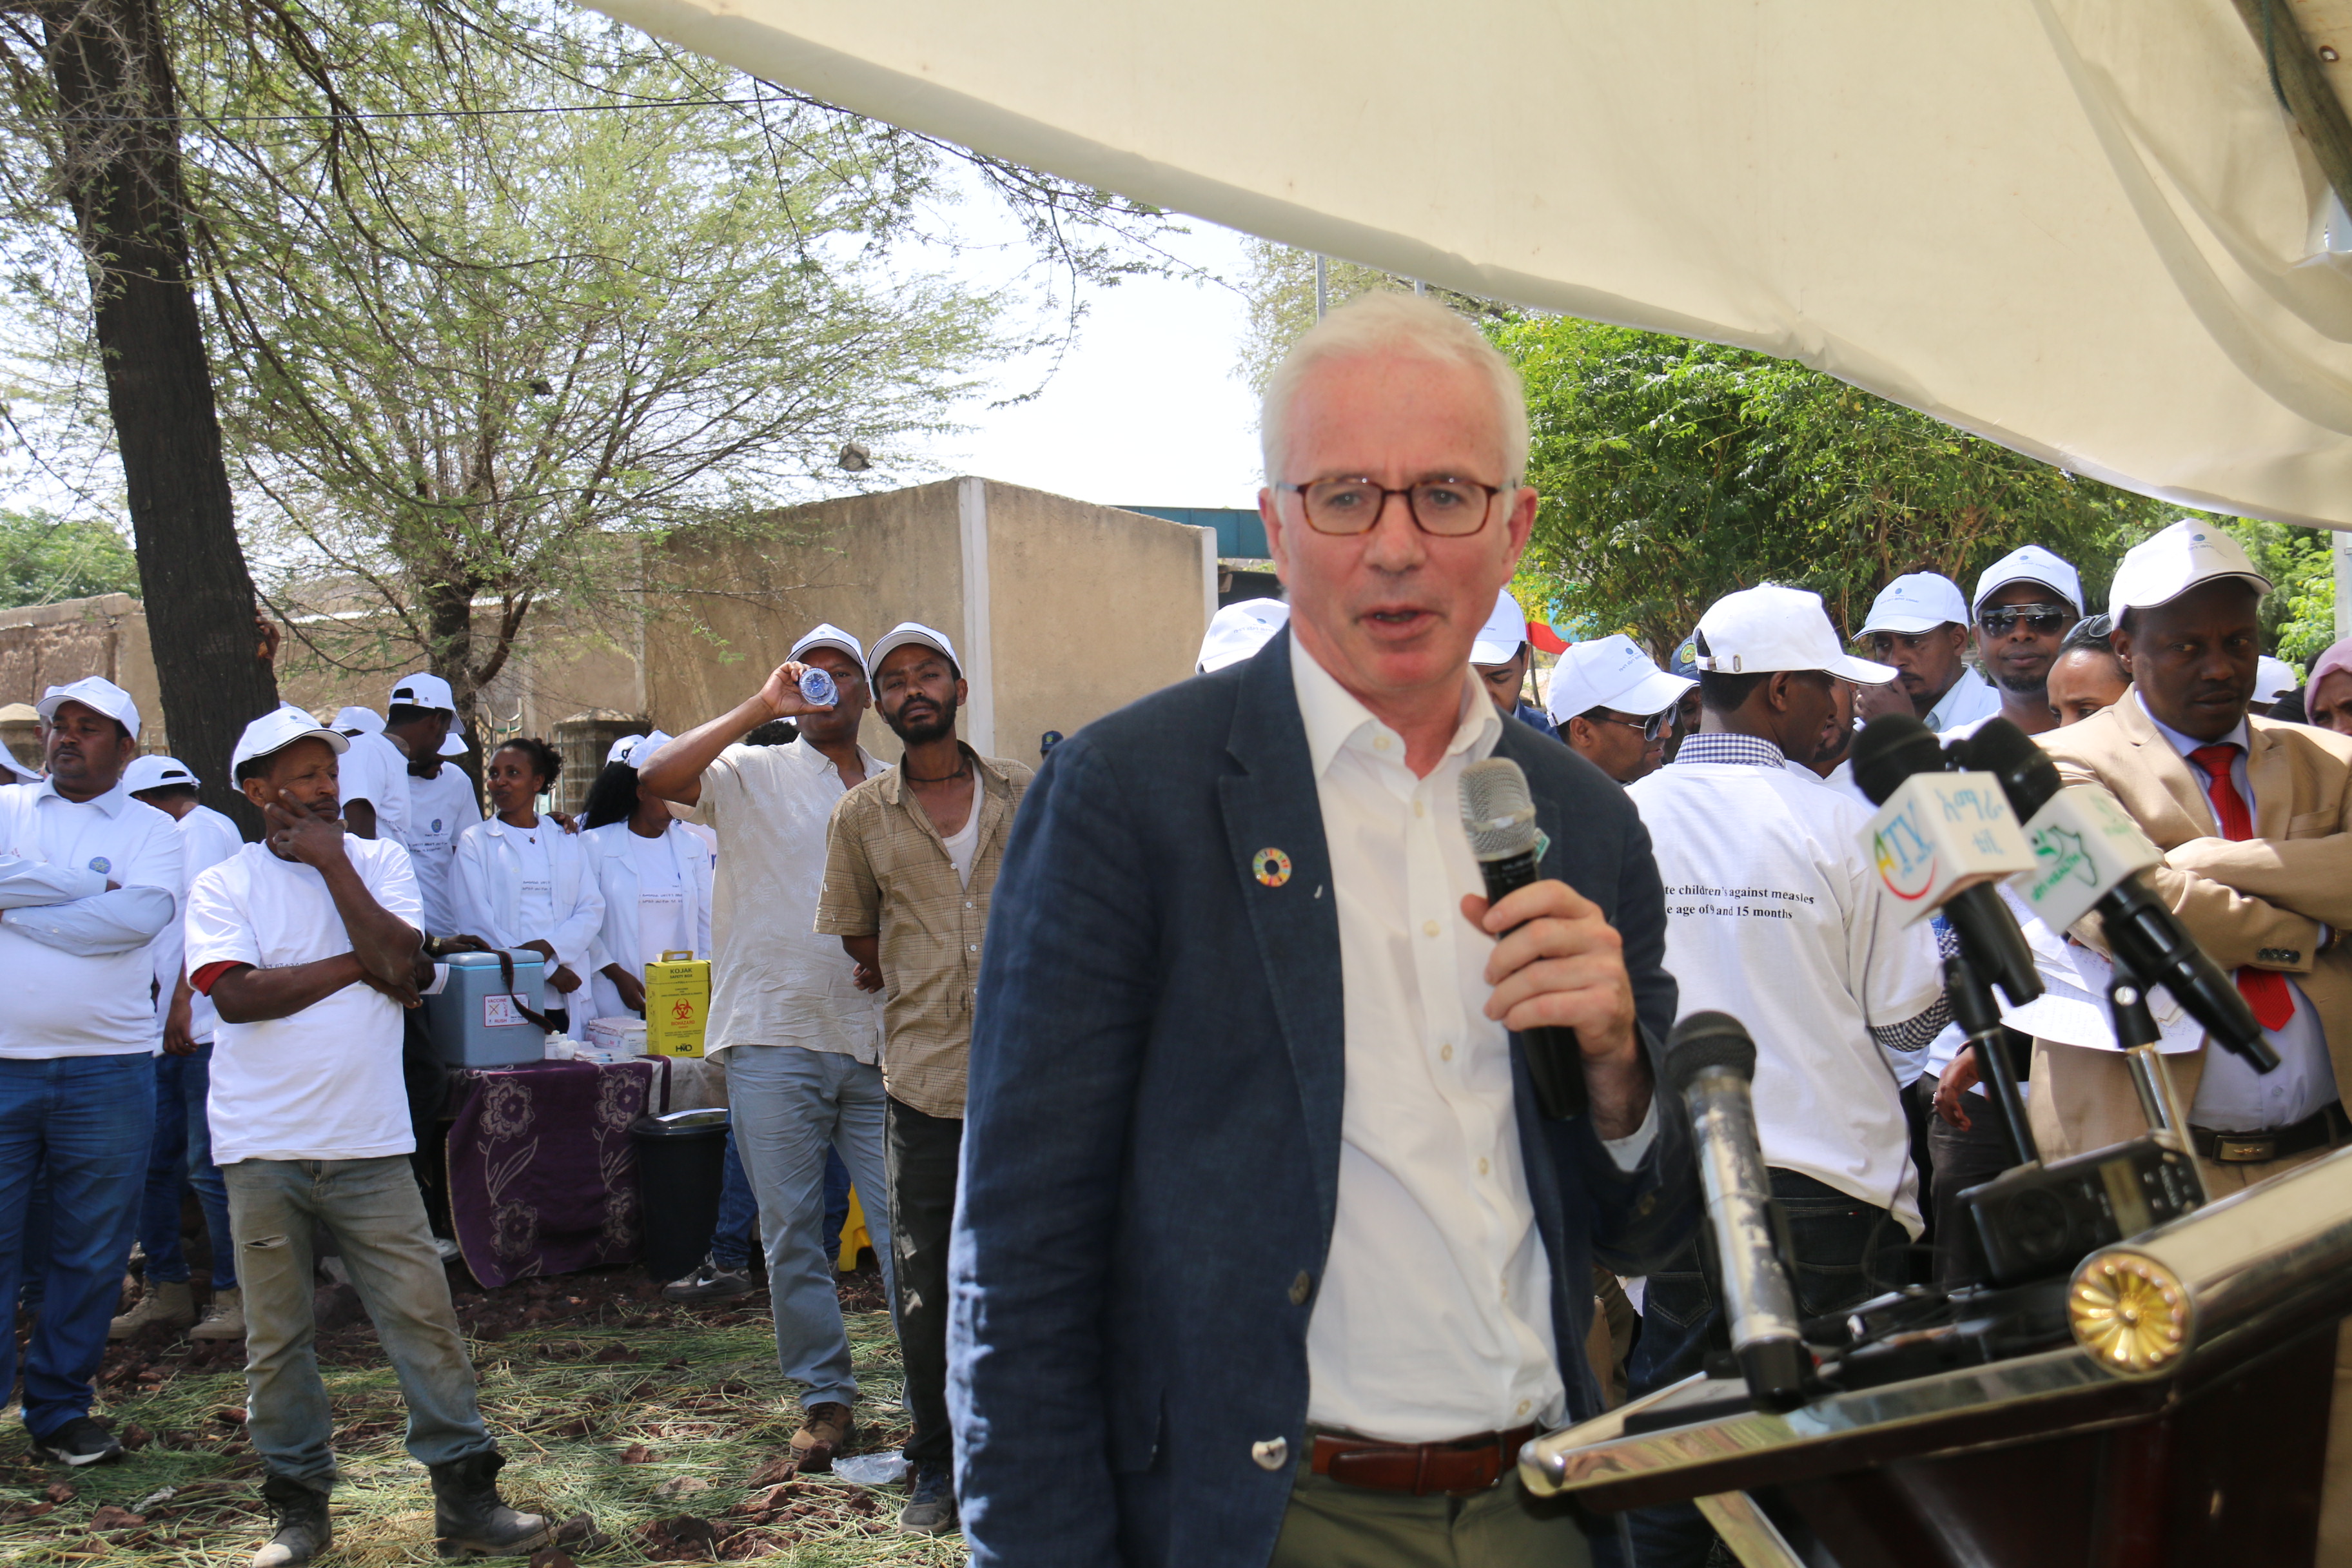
{"points": [[421, 719], [89, 886], [1775, 915], [375, 769], [802, 1043], [308, 944]]}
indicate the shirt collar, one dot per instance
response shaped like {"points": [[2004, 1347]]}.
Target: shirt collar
{"points": [[815, 760], [111, 802], [2242, 737], [1333, 717], [1746, 750]]}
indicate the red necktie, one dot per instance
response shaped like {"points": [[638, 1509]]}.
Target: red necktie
{"points": [[2264, 989]]}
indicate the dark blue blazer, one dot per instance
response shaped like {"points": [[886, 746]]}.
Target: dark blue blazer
{"points": [[1152, 1142]]}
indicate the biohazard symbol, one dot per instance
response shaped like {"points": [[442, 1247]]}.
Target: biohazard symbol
{"points": [[681, 1011]]}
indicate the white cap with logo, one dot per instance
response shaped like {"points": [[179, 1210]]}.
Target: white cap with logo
{"points": [[1505, 633], [2159, 569], [157, 772], [1917, 602], [422, 690], [1612, 672], [2030, 564], [2273, 678], [1239, 630], [826, 634], [359, 720], [1762, 630], [98, 694], [279, 728], [907, 632], [637, 750]]}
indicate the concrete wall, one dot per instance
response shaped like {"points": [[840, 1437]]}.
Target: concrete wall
{"points": [[50, 645]]}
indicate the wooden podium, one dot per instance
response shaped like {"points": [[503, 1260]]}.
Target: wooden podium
{"points": [[2186, 1425]]}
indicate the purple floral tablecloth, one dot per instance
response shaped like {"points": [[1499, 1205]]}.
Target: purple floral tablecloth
{"points": [[542, 1172]]}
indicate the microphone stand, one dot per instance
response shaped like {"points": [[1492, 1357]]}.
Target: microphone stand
{"points": [[2137, 1033], [1974, 1011]]}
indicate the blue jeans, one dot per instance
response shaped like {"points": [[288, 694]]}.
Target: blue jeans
{"points": [[85, 1122], [181, 1156], [1846, 1252], [788, 1105], [373, 1211], [738, 1210]]}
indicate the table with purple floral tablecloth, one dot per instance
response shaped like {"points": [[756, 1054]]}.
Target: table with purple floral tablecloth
{"points": [[542, 1173]]}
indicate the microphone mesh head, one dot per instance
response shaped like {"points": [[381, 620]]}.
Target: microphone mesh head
{"points": [[1707, 1040], [1497, 811]]}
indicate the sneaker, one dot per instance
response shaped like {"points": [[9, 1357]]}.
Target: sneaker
{"points": [[710, 1281], [171, 1306], [225, 1319], [932, 1510], [827, 1429], [80, 1441]]}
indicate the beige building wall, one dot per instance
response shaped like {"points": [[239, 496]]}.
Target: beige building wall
{"points": [[43, 646]]}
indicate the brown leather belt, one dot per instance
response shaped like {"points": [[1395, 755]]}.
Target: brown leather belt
{"points": [[1457, 1469], [2316, 1131]]}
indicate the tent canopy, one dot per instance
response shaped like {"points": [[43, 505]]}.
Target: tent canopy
{"points": [[2087, 229]]}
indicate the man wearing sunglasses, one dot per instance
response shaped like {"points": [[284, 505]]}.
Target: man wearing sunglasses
{"points": [[1614, 706], [2026, 604]]}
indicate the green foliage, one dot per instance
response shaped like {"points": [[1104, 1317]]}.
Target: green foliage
{"points": [[44, 559], [2299, 617], [1674, 472], [1280, 287]]}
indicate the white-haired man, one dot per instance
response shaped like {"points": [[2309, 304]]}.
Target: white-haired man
{"points": [[1264, 1252]]}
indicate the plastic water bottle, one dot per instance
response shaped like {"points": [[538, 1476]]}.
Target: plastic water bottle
{"points": [[818, 688]]}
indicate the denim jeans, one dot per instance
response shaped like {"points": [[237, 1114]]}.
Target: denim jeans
{"points": [[738, 1210], [926, 1152], [181, 1156], [790, 1104], [85, 1122], [376, 1216], [1846, 1252]]}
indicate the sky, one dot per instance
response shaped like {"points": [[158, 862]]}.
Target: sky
{"points": [[1145, 408]]}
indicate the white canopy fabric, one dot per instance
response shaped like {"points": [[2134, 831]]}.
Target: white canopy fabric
{"points": [[2082, 228]]}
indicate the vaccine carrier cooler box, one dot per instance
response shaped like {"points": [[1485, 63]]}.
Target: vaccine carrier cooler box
{"points": [[475, 1021]]}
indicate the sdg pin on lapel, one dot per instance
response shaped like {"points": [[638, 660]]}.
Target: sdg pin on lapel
{"points": [[1272, 868]]}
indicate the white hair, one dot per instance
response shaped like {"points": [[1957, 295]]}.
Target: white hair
{"points": [[1408, 327]]}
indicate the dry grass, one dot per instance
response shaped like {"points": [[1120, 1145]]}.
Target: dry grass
{"points": [[701, 1397]]}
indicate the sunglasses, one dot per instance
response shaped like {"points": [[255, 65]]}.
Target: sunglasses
{"points": [[1655, 725], [2045, 619]]}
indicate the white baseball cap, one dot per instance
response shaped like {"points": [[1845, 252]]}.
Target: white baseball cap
{"points": [[1762, 630], [1505, 633], [96, 693], [1612, 672], [907, 632], [640, 748], [453, 744], [2030, 564], [423, 690], [157, 772], [2161, 569], [8, 759], [618, 752], [359, 720], [826, 634], [1239, 630], [2273, 678], [279, 728], [1915, 602]]}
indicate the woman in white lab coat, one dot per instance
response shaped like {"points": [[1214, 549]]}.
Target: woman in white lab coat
{"points": [[654, 877], [522, 881]]}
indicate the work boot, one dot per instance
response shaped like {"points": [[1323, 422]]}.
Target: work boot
{"points": [[225, 1319], [300, 1514], [826, 1428], [174, 1306], [468, 1516]]}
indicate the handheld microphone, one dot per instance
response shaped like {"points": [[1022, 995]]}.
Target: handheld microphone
{"points": [[2148, 939], [1499, 815], [1947, 847], [1709, 1064]]}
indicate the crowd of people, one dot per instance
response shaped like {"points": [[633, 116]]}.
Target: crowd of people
{"points": [[1185, 1080]]}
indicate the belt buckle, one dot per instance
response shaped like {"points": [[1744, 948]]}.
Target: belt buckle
{"points": [[2231, 1151]]}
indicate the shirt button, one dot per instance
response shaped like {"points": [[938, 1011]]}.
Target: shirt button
{"points": [[1419, 809], [1482, 1167], [1523, 1406], [975, 947], [1380, 743], [1301, 1288], [1445, 1052], [1429, 927]]}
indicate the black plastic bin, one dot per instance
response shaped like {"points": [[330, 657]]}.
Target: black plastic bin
{"points": [[680, 1159]]}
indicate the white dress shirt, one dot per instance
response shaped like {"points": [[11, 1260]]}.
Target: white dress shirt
{"points": [[1433, 1318], [79, 962], [2231, 1096], [1971, 700]]}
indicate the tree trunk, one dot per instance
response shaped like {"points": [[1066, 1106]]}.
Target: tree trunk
{"points": [[120, 130], [449, 622]]}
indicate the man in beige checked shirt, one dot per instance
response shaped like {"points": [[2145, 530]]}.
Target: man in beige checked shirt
{"points": [[910, 859]]}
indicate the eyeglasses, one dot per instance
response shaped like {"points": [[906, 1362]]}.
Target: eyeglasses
{"points": [[1449, 508], [2045, 619], [1655, 725]]}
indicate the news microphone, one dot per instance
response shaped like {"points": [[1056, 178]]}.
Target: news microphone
{"points": [[1709, 1065], [2089, 855], [1499, 815], [1941, 840]]}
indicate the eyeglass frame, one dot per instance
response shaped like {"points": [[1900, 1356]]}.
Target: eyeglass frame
{"points": [[2045, 611], [1486, 513], [1653, 728]]}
